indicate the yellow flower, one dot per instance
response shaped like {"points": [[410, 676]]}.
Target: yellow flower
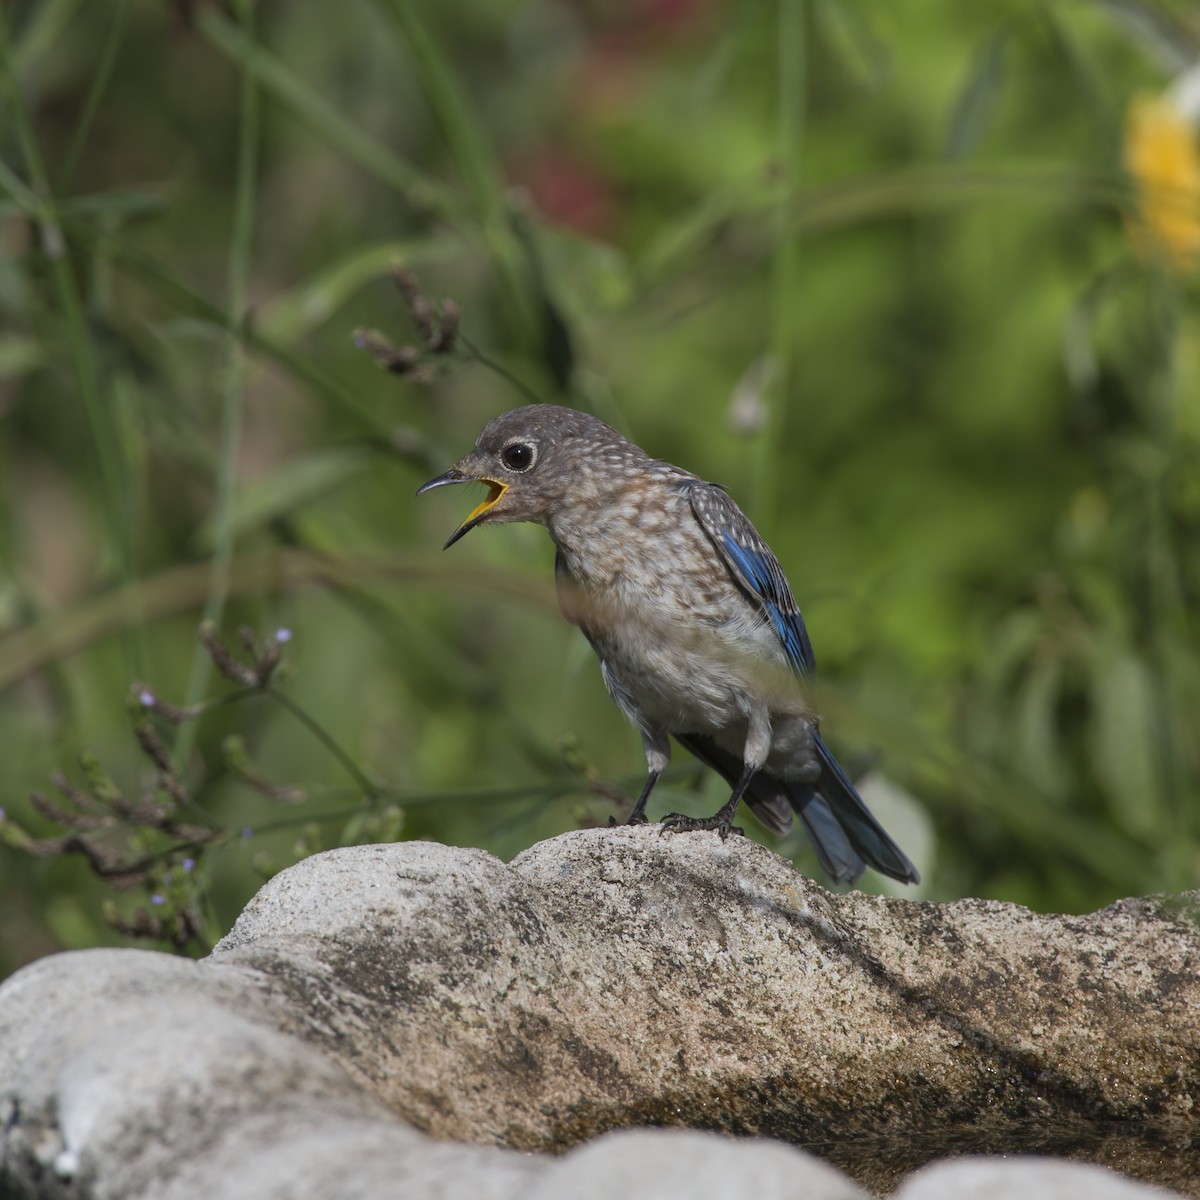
{"points": [[1162, 156]]}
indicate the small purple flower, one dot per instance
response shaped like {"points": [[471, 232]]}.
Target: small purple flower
{"points": [[188, 864], [146, 698], [158, 899], [246, 832], [3, 815], [283, 634]]}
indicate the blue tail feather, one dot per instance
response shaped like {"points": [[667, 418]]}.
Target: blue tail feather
{"points": [[845, 835], [866, 834]]}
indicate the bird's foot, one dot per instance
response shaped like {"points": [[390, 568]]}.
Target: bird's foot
{"points": [[639, 819], [681, 823]]}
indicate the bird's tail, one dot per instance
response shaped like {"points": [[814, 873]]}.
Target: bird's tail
{"points": [[834, 814], [845, 835]]}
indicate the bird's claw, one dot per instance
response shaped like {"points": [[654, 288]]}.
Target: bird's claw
{"points": [[638, 820], [682, 823]]}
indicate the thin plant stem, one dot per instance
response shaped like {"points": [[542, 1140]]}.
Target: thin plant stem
{"points": [[91, 105], [468, 143], [492, 365], [790, 132], [235, 375], [112, 469], [1168, 624], [373, 791], [420, 190]]}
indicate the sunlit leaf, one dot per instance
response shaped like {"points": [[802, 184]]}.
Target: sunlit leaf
{"points": [[977, 100], [1037, 748], [289, 489], [1123, 741], [849, 33]]}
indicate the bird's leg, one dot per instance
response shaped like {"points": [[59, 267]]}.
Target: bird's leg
{"points": [[721, 821], [657, 746], [754, 755], [638, 816]]}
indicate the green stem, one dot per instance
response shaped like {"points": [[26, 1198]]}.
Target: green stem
{"points": [[111, 466], [235, 373], [373, 791], [108, 58], [492, 365], [1169, 614], [791, 68], [468, 143], [323, 119]]}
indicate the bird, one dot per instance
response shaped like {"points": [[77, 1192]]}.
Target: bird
{"points": [[690, 614]]}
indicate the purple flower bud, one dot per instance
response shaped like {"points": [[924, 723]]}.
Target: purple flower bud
{"points": [[283, 634], [157, 899], [146, 698], [246, 831], [188, 864]]}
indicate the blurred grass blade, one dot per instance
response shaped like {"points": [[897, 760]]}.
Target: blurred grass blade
{"points": [[909, 191], [1035, 744], [91, 105], [122, 206], [932, 189], [848, 33], [288, 489], [466, 140], [119, 205], [1122, 742], [472, 152], [557, 341], [45, 24], [112, 463], [128, 258], [976, 103], [292, 314], [1171, 42], [1092, 86], [225, 485], [791, 85], [24, 198], [324, 120], [58, 635]]}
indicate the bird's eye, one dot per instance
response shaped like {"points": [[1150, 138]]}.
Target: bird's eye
{"points": [[517, 456]]}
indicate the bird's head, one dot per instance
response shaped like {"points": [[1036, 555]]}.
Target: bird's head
{"points": [[531, 460]]}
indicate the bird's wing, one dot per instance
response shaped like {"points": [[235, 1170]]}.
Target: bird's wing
{"points": [[754, 568]]}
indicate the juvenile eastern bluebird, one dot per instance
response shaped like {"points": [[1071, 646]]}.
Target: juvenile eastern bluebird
{"points": [[690, 615]]}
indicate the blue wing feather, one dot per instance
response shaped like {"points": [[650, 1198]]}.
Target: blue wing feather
{"points": [[762, 573], [754, 568]]}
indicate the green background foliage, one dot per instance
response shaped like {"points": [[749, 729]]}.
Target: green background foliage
{"points": [[868, 265]]}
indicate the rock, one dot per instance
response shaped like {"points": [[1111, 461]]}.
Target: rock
{"points": [[1023, 1179], [373, 999], [663, 1164]]}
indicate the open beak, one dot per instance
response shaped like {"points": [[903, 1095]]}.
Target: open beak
{"points": [[496, 489]]}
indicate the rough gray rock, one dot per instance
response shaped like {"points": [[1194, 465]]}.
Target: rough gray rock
{"points": [[1027, 1179], [604, 979]]}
